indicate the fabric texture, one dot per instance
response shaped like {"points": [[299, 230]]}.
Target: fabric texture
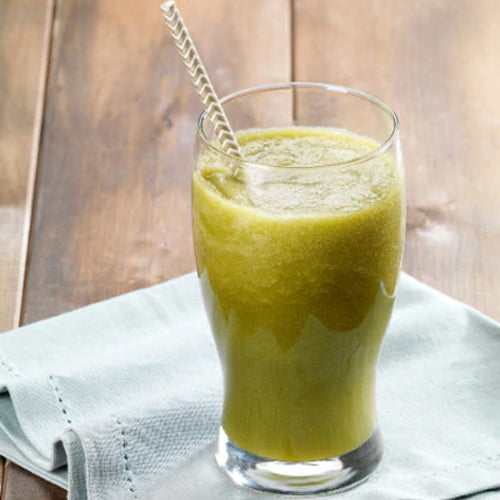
{"points": [[122, 399]]}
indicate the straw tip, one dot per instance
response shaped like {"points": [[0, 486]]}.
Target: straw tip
{"points": [[166, 7]]}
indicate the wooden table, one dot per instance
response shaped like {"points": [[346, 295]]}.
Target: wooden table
{"points": [[97, 123]]}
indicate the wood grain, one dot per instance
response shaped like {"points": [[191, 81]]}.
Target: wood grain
{"points": [[22, 485], [24, 40], [436, 63], [24, 47], [113, 209]]}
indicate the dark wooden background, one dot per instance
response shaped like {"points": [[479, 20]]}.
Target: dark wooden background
{"points": [[97, 122]]}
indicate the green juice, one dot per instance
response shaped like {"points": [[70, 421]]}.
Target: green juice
{"points": [[298, 268]]}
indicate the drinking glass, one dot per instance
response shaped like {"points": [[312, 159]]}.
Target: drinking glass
{"points": [[298, 265]]}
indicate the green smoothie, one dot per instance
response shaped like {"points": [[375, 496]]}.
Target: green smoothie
{"points": [[298, 267]]}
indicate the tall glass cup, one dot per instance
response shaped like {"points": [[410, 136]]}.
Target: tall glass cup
{"points": [[298, 260]]}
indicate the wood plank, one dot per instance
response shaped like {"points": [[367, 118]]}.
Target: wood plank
{"points": [[113, 208], [22, 485], [436, 63], [24, 47], [2, 466], [24, 39]]}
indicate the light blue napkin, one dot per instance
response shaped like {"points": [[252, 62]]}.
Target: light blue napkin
{"points": [[127, 393]]}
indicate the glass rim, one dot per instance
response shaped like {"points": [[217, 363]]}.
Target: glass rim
{"points": [[381, 148]]}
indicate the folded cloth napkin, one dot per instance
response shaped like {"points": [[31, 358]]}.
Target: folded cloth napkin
{"points": [[121, 399]]}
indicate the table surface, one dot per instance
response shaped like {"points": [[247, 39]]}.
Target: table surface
{"points": [[97, 121]]}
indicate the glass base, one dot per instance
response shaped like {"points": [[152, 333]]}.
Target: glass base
{"points": [[299, 478]]}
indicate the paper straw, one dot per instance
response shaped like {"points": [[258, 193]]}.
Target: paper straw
{"points": [[200, 78]]}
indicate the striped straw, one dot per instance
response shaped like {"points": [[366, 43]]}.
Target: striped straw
{"points": [[200, 78]]}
